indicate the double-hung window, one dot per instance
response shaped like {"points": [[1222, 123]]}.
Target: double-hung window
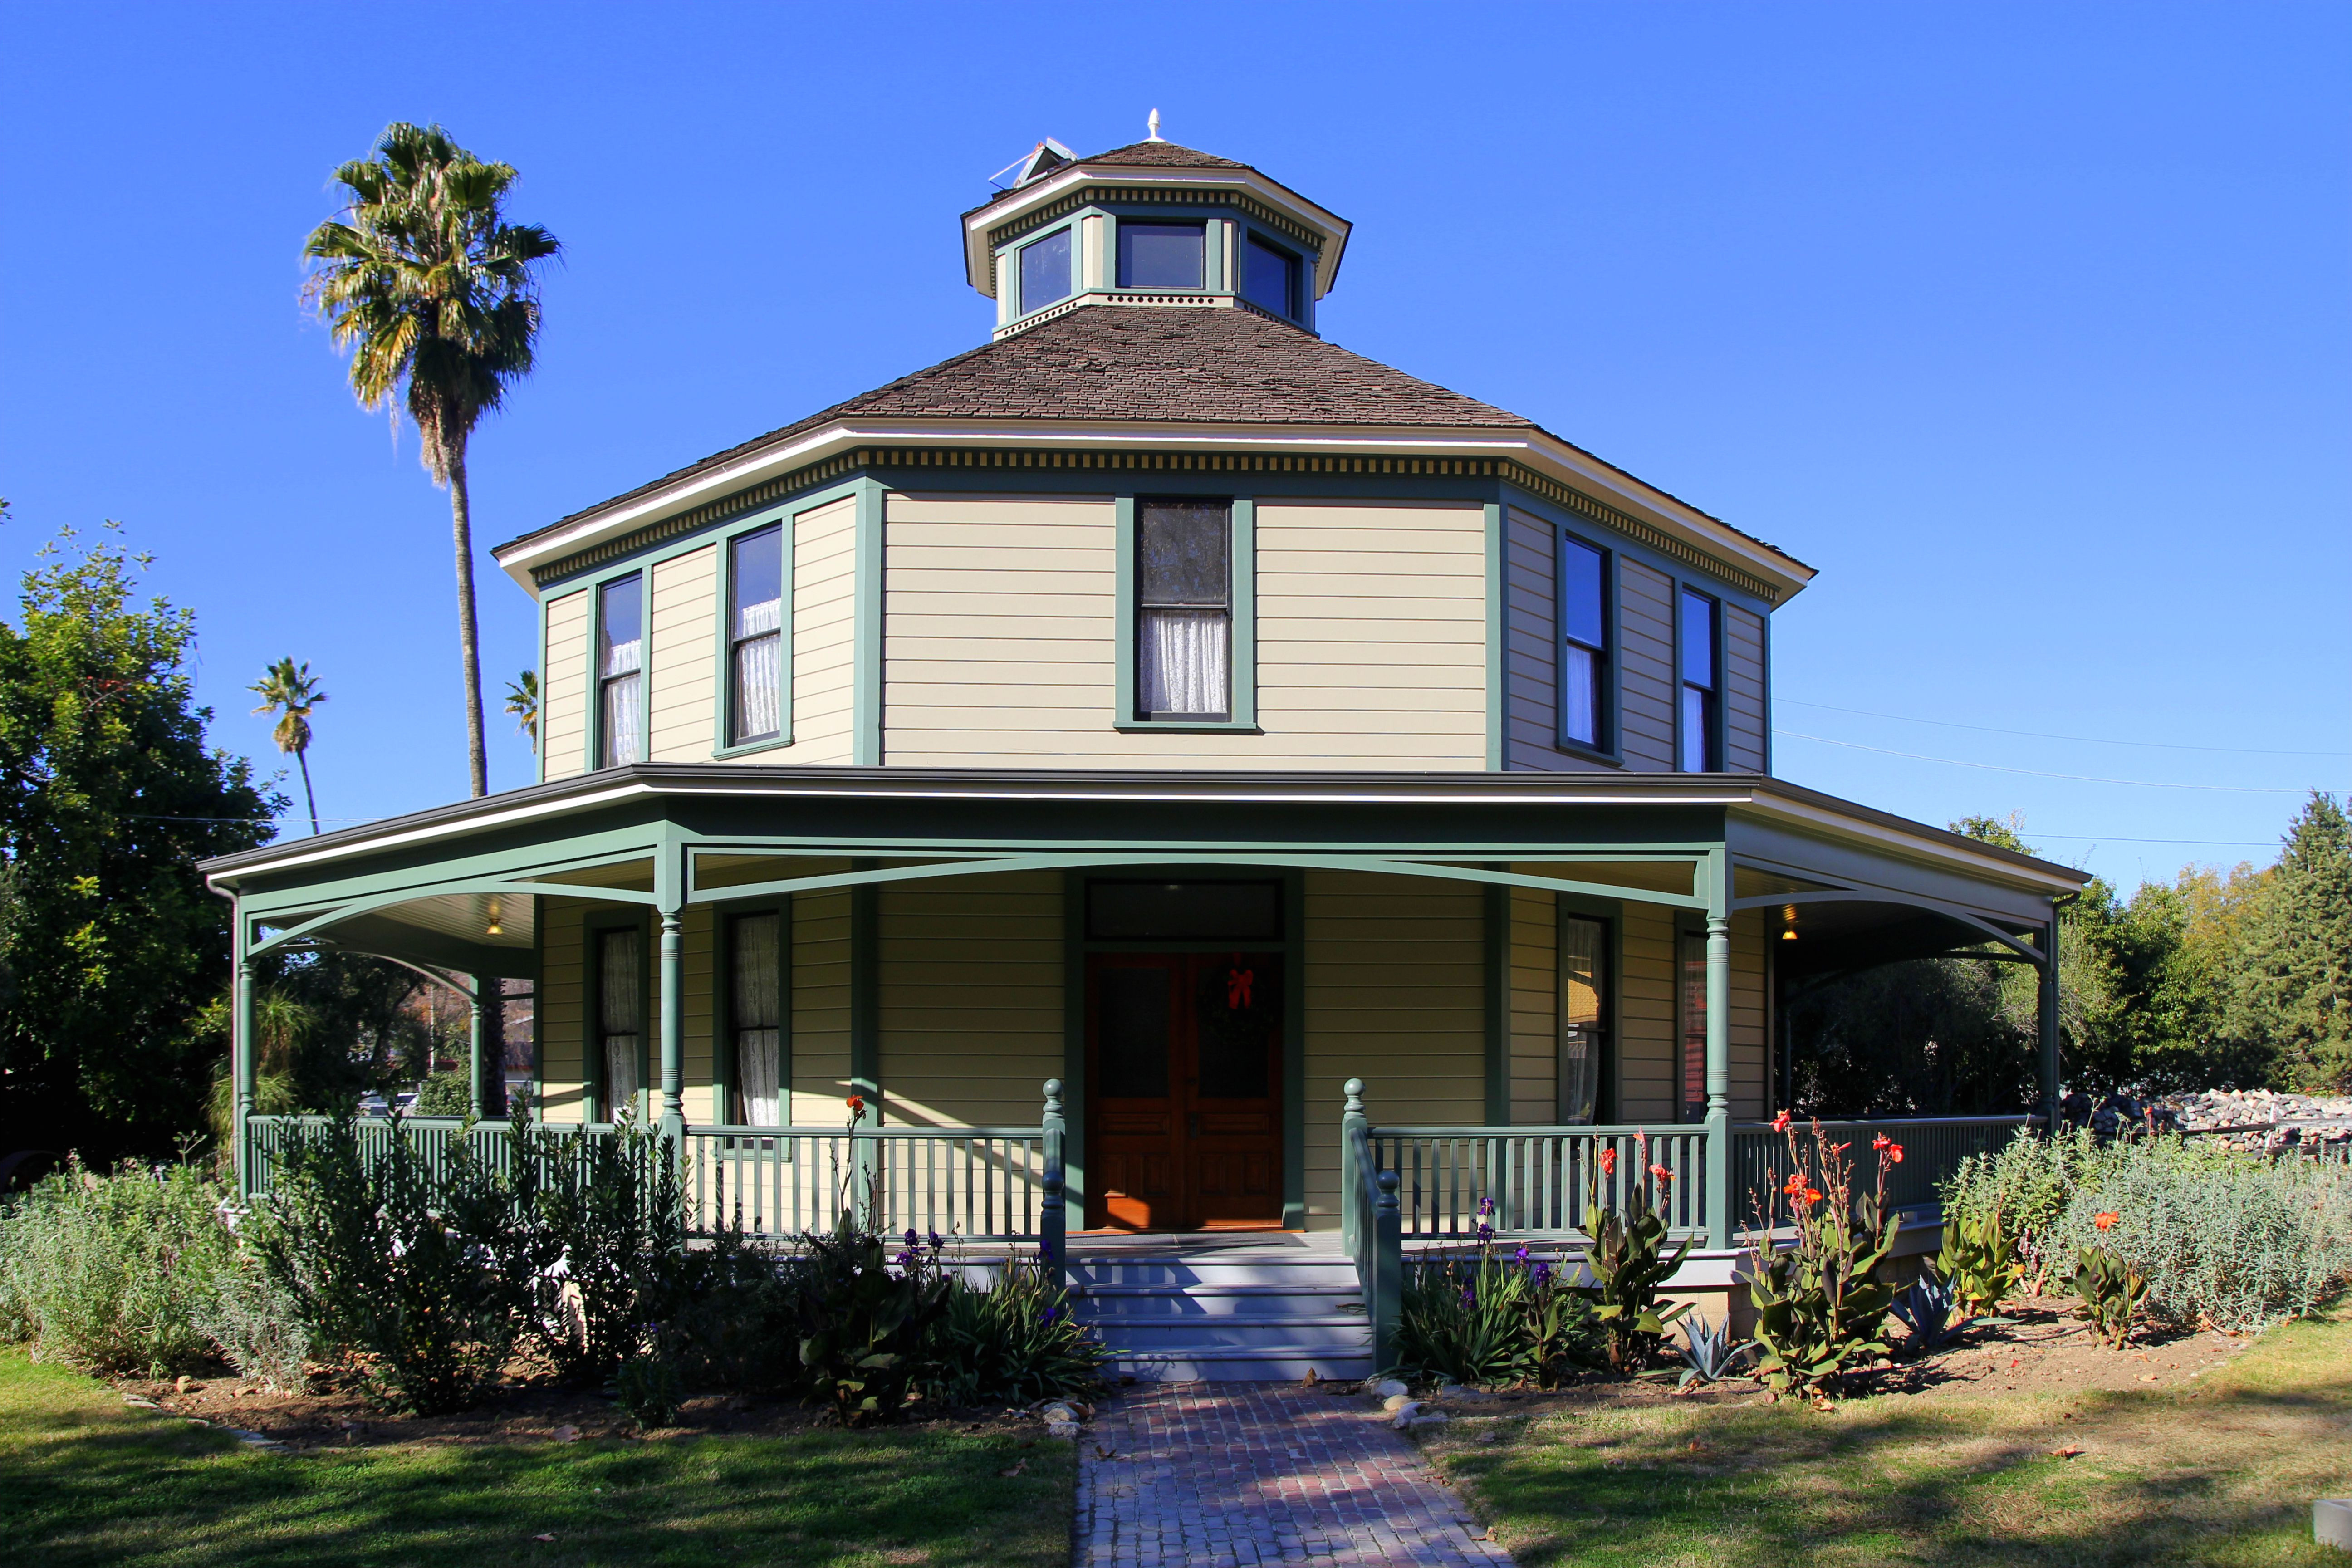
{"points": [[1183, 610], [1583, 643], [1162, 255], [1270, 277], [620, 1016], [1045, 271], [1583, 1018], [1700, 715], [755, 628], [755, 968], [621, 671]]}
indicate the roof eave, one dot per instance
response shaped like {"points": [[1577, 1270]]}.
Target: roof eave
{"points": [[1529, 443]]}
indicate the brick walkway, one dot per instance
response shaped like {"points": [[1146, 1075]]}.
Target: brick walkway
{"points": [[1238, 1472]]}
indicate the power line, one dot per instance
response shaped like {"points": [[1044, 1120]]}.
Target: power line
{"points": [[2043, 735], [2037, 773], [2118, 838]]}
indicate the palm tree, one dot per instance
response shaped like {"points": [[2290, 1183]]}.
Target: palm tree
{"points": [[289, 690], [522, 701], [437, 296]]}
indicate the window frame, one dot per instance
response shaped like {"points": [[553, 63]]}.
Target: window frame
{"points": [[1606, 746], [594, 927], [1212, 253], [723, 715], [1015, 250], [1604, 1069], [723, 1075], [642, 573], [1712, 741], [1240, 590]]}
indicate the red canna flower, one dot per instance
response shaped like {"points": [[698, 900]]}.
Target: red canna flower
{"points": [[2106, 1221], [1881, 1141], [1812, 1194], [857, 1103], [1894, 1153], [1780, 1123], [1795, 1185], [1609, 1161], [1662, 1174]]}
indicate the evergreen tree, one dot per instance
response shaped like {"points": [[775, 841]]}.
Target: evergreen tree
{"points": [[109, 944], [2293, 969]]}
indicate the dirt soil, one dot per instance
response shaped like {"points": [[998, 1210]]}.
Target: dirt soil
{"points": [[531, 1405]]}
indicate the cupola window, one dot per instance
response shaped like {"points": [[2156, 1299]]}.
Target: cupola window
{"points": [[1162, 255], [1270, 277], [1045, 271], [1183, 610]]}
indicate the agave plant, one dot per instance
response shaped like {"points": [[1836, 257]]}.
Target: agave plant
{"points": [[1709, 1355], [1931, 1309]]}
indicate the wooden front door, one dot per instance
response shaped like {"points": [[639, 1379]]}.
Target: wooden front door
{"points": [[1185, 1112]]}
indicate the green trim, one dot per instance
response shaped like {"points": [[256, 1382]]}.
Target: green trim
{"points": [[1242, 624], [865, 995], [539, 723], [819, 484], [865, 735], [785, 520], [1498, 652], [1494, 937]]}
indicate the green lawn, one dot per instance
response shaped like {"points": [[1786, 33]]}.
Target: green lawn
{"points": [[2223, 1470], [89, 1479]]}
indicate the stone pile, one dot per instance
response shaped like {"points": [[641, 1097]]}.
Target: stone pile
{"points": [[2267, 1119]]}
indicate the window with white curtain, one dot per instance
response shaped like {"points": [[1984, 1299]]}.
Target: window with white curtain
{"points": [[620, 1016], [1583, 1018], [621, 671], [755, 964], [755, 627], [1184, 617]]}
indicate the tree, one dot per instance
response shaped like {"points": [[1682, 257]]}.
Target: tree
{"points": [[2293, 968], [287, 690], [437, 297], [522, 701], [111, 946]]}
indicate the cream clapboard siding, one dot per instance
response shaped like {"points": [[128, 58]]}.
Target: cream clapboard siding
{"points": [[825, 559], [820, 1015], [1000, 645], [682, 676], [1395, 996], [563, 689], [1535, 1005], [701, 957], [1531, 580], [971, 971], [562, 1012], [1645, 1014], [1748, 1035], [1743, 680], [1645, 666]]}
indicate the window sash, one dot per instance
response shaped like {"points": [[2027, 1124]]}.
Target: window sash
{"points": [[620, 1017], [756, 1004], [623, 738], [1162, 255], [1044, 271], [1583, 1004], [620, 671], [1700, 683], [1183, 610]]}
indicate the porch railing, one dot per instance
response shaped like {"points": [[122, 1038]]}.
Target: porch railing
{"points": [[1933, 1148], [967, 1184]]}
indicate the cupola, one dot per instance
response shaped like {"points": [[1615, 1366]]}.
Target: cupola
{"points": [[1151, 224]]}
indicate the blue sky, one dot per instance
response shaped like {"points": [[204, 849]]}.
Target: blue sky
{"points": [[2026, 325]]}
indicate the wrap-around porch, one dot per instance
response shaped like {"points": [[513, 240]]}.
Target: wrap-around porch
{"points": [[1167, 1004]]}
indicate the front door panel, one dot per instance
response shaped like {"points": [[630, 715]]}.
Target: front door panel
{"points": [[1184, 1064]]}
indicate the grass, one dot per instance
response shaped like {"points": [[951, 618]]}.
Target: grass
{"points": [[2223, 1470], [92, 1480]]}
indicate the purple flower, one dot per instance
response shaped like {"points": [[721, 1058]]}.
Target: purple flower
{"points": [[1541, 1277], [910, 1236], [1049, 1314], [1520, 1256], [1485, 1207], [936, 1242], [1486, 1233], [1469, 1295]]}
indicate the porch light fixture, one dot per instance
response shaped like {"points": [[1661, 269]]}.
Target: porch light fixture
{"points": [[494, 928], [1789, 915]]}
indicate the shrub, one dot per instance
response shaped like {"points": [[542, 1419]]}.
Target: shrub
{"points": [[1015, 1342], [1628, 1262], [428, 1275], [608, 1218], [863, 1327], [447, 1093], [734, 1316], [114, 1273], [649, 1387], [1485, 1319], [259, 1326]]}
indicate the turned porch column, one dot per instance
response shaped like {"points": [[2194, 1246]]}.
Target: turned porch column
{"points": [[243, 1048], [1718, 1046], [673, 1027]]}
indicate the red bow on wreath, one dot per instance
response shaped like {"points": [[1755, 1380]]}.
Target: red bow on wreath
{"points": [[1237, 988]]}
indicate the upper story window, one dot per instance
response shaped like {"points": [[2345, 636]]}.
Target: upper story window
{"points": [[1184, 609], [1270, 277], [1162, 255], [1583, 642], [1700, 752], [621, 671], [1045, 271], [755, 625]]}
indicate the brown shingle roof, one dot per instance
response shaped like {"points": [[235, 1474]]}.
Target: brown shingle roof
{"points": [[1177, 365], [1162, 155]]}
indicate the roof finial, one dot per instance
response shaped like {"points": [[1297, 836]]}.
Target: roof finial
{"points": [[1155, 127]]}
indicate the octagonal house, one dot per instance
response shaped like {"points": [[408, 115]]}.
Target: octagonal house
{"points": [[1225, 807]]}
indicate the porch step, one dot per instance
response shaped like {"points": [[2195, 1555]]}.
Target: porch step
{"points": [[1224, 1311]]}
